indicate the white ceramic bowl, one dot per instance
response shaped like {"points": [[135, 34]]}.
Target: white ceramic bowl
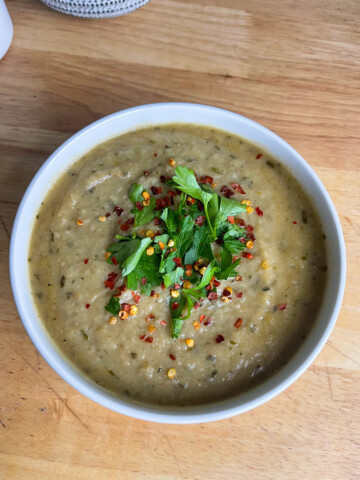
{"points": [[131, 119]]}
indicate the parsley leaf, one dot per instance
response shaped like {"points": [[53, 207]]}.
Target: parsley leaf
{"points": [[200, 247], [123, 249], [113, 306], [131, 262], [173, 277], [146, 214], [135, 193]]}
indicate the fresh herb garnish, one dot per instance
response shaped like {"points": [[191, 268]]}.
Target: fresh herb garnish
{"points": [[183, 256]]}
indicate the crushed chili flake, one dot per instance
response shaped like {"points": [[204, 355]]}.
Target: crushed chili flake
{"points": [[164, 179], [238, 323], [239, 295], [251, 237], [152, 293], [237, 188], [172, 356], [156, 190], [196, 305], [175, 305], [219, 339], [157, 221], [146, 173], [177, 261], [86, 261], [216, 283], [249, 228], [163, 286], [200, 219], [163, 323], [242, 239], [135, 297], [114, 261], [226, 292], [142, 337], [206, 179], [238, 278], [107, 214], [177, 286], [139, 206], [240, 221], [259, 212], [130, 221], [162, 202], [126, 307], [143, 281], [124, 227], [149, 339], [226, 191], [247, 255], [295, 223], [190, 201], [212, 296], [87, 305], [149, 317], [231, 219], [259, 155], [118, 211], [155, 154], [202, 318], [110, 281], [282, 306], [208, 321], [208, 288], [171, 193]]}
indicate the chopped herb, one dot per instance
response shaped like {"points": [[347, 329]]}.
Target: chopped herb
{"points": [[180, 256]]}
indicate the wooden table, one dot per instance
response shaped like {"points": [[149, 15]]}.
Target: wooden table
{"points": [[292, 66]]}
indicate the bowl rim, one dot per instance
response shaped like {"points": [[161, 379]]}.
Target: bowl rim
{"points": [[180, 415]]}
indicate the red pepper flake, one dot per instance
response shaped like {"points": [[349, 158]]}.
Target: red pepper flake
{"points": [[163, 323], [177, 261], [130, 221], [251, 236], [110, 281], [171, 193], [114, 261], [206, 179], [143, 281], [239, 295], [118, 211], [126, 307], [146, 173], [177, 286], [172, 356], [156, 190], [208, 288], [259, 155], [86, 261], [226, 292], [155, 154], [135, 297], [216, 283], [208, 321], [202, 318], [175, 305], [226, 191], [163, 286], [247, 255], [124, 227], [87, 306], [259, 212], [242, 239], [157, 221], [295, 223], [219, 339], [164, 179], [139, 206], [249, 228], [162, 202], [240, 221], [142, 337], [107, 214], [190, 201], [282, 306], [235, 257], [149, 339], [237, 188], [231, 219], [152, 293], [212, 296], [200, 219], [238, 323], [196, 305]]}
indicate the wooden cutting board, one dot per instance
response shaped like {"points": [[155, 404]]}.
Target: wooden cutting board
{"points": [[292, 66]]}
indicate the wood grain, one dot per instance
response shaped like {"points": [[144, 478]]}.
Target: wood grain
{"points": [[294, 67]]}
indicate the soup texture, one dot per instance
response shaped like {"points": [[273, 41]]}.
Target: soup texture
{"points": [[229, 343]]}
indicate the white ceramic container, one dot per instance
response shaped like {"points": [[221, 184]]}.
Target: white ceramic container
{"points": [[164, 113], [6, 29]]}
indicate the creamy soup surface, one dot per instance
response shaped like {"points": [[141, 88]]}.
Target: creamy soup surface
{"points": [[68, 270]]}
